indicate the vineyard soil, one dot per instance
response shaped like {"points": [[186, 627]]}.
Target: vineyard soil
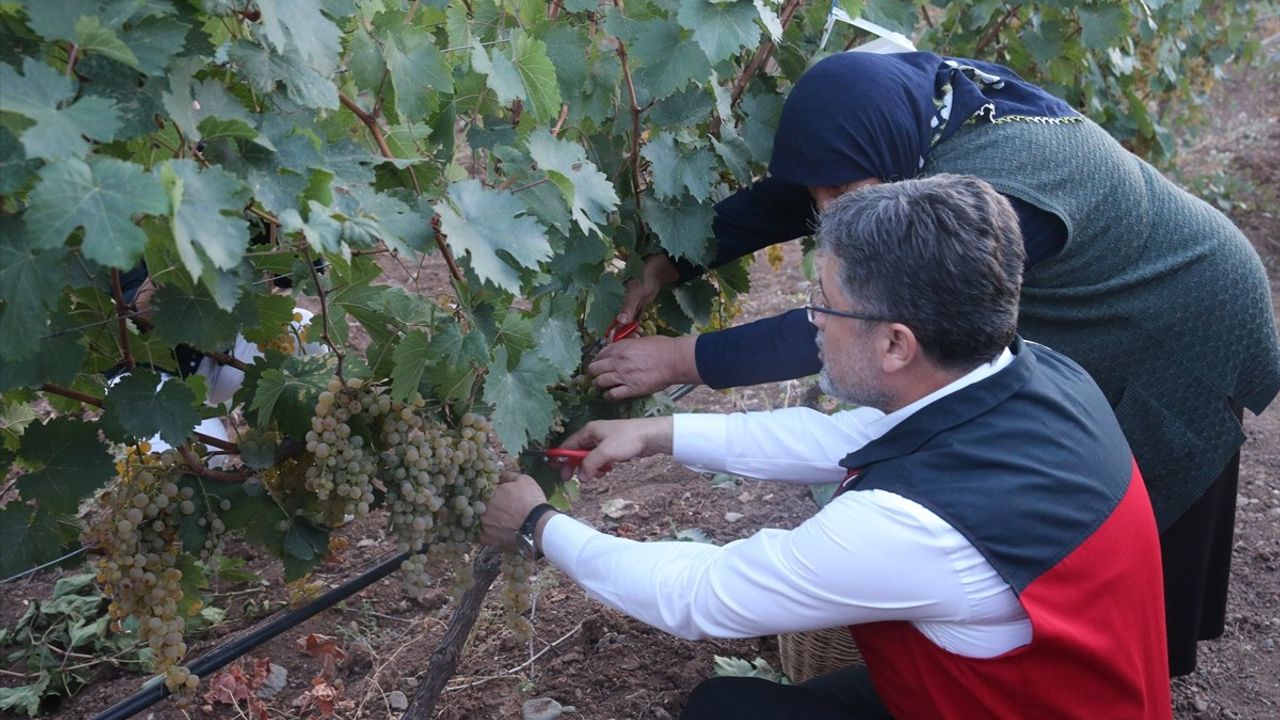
{"points": [[608, 666]]}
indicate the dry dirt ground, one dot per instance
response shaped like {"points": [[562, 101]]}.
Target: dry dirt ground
{"points": [[608, 666]]}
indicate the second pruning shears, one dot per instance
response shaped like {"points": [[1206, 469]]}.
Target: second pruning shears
{"points": [[563, 456], [615, 333]]}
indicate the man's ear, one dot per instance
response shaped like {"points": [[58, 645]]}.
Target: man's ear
{"points": [[899, 347]]}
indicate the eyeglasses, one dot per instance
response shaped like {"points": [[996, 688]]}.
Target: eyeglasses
{"points": [[812, 309]]}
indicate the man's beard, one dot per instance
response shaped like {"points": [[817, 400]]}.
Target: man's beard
{"points": [[858, 394]]}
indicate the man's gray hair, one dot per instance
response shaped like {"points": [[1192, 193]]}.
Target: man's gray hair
{"points": [[942, 255]]}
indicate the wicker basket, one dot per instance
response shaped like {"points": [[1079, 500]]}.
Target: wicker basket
{"points": [[809, 654]]}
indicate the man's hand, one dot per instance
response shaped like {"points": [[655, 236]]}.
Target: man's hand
{"points": [[613, 441], [642, 366], [658, 271], [512, 500]]}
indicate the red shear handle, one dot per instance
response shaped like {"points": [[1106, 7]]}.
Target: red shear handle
{"points": [[573, 458], [618, 332]]}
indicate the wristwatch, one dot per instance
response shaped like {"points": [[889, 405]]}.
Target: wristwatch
{"points": [[524, 536]]}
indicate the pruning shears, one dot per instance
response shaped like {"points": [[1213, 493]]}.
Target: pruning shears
{"points": [[615, 333], [562, 456]]}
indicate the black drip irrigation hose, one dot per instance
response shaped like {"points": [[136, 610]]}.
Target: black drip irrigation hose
{"points": [[154, 691]]}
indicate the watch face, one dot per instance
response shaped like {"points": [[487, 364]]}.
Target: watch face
{"points": [[525, 545]]}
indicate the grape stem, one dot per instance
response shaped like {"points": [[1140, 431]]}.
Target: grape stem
{"points": [[122, 314], [204, 471]]}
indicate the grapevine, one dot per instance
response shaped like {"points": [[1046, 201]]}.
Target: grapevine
{"points": [[457, 188]]}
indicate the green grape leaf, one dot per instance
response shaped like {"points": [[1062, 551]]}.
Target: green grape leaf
{"points": [[522, 407], [1102, 25], [315, 37], [30, 283], [1045, 42], [500, 74], [102, 197], [264, 70], [590, 195], [92, 37], [205, 207], [155, 41], [417, 69], [193, 319], [410, 357], [31, 537], [56, 20], [42, 94], [676, 169], [720, 28], [667, 61], [288, 393], [305, 541], [15, 168], [68, 464], [683, 229], [455, 358], [529, 55], [556, 338], [206, 105], [482, 223], [138, 407], [322, 232], [57, 360], [263, 317]]}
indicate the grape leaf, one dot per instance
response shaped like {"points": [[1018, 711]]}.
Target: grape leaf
{"points": [[1102, 25], [56, 20], [101, 197], [590, 195], [30, 282], [42, 94], [529, 55], [193, 319], [315, 37], [320, 229], [522, 407], [288, 393], [264, 70], [556, 336], [155, 41], [138, 407], [500, 74], [667, 61], [683, 229], [68, 463], [720, 28], [92, 37], [675, 168], [482, 223], [31, 537], [15, 168], [205, 207], [417, 69], [56, 360], [410, 357], [455, 356]]}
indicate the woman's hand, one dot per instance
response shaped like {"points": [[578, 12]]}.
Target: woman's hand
{"points": [[658, 271], [613, 441], [642, 366]]}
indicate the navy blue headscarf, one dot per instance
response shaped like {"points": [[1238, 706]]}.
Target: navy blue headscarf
{"points": [[858, 115]]}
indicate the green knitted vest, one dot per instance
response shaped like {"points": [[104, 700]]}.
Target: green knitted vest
{"points": [[1156, 294]]}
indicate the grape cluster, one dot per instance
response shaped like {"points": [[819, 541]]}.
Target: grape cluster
{"points": [[137, 534], [342, 473], [517, 593], [438, 481]]}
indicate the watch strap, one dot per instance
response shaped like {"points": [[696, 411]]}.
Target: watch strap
{"points": [[530, 524]]}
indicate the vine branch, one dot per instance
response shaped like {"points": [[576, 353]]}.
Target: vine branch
{"points": [[122, 313], [635, 133], [97, 402], [324, 314], [995, 29], [204, 471], [762, 54], [444, 661]]}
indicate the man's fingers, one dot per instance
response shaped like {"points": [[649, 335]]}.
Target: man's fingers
{"points": [[509, 476], [620, 392]]}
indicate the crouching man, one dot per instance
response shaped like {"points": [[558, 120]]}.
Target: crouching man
{"points": [[992, 548]]}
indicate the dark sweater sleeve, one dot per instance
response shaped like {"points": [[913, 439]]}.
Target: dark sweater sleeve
{"points": [[776, 348], [768, 212], [1043, 233]]}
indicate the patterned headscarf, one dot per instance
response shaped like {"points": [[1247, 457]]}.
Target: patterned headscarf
{"points": [[858, 115]]}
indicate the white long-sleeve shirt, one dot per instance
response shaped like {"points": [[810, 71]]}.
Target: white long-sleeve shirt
{"points": [[867, 556]]}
